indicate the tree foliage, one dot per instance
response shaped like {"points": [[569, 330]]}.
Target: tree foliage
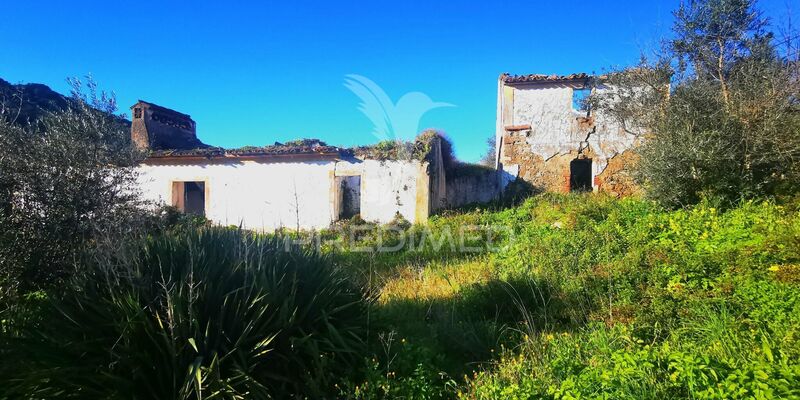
{"points": [[64, 180], [490, 157], [729, 126]]}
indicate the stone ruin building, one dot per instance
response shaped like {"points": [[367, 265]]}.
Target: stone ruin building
{"points": [[546, 136]]}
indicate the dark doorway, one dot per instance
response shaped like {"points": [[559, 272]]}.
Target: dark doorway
{"points": [[350, 196], [580, 175], [194, 198]]}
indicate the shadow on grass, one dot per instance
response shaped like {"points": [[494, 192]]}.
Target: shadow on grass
{"points": [[514, 194], [456, 334]]}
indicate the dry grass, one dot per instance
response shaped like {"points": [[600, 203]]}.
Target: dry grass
{"points": [[436, 281]]}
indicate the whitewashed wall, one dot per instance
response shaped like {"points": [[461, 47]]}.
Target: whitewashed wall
{"points": [[389, 187], [268, 195]]}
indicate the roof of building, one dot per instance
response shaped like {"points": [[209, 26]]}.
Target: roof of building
{"points": [[162, 109], [300, 147], [419, 149], [543, 78]]}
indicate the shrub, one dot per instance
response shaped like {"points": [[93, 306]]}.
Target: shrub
{"points": [[421, 383], [688, 303], [611, 363], [199, 313], [402, 371], [63, 183], [727, 128]]}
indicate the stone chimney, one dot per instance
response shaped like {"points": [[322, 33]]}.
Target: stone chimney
{"points": [[158, 128]]}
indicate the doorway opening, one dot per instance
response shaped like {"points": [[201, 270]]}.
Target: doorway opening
{"points": [[580, 175], [190, 197], [349, 196]]}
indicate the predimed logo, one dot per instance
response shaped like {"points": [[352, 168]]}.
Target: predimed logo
{"points": [[397, 121]]}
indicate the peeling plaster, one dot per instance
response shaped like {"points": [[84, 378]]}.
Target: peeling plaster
{"points": [[265, 195], [557, 135]]}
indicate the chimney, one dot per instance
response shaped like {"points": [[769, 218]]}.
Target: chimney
{"points": [[158, 128]]}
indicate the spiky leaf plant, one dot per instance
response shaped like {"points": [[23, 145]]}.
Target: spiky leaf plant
{"points": [[211, 313]]}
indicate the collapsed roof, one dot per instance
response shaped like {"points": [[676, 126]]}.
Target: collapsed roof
{"points": [[541, 78], [277, 149], [168, 134]]}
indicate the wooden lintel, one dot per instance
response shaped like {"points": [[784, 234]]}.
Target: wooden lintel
{"points": [[515, 128]]}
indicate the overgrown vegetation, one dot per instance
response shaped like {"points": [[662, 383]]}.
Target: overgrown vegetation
{"points": [[62, 182], [593, 297], [418, 149], [574, 296], [209, 313], [718, 107]]}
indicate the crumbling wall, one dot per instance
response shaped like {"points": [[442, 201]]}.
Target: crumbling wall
{"points": [[617, 179], [542, 134], [479, 185], [388, 188]]}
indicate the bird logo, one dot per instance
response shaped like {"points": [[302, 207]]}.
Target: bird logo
{"points": [[391, 121]]}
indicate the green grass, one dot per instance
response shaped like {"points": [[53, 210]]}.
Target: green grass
{"points": [[581, 296], [593, 297]]}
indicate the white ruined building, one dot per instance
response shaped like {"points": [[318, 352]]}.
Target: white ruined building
{"points": [[546, 137], [305, 185]]}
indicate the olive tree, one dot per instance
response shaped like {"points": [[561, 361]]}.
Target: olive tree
{"points": [[64, 181], [718, 108]]}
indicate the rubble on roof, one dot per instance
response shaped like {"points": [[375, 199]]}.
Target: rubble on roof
{"points": [[543, 78], [418, 149], [307, 147]]}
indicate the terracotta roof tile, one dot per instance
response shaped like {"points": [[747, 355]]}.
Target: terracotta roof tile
{"points": [[543, 78], [251, 151]]}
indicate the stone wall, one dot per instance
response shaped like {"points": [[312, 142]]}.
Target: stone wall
{"points": [[158, 128], [617, 179], [139, 135], [540, 133], [475, 186]]}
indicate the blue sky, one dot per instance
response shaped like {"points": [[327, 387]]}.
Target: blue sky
{"points": [[252, 73]]}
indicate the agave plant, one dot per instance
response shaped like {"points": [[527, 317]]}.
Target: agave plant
{"points": [[209, 313]]}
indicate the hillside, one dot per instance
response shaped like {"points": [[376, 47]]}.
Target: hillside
{"points": [[28, 102]]}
